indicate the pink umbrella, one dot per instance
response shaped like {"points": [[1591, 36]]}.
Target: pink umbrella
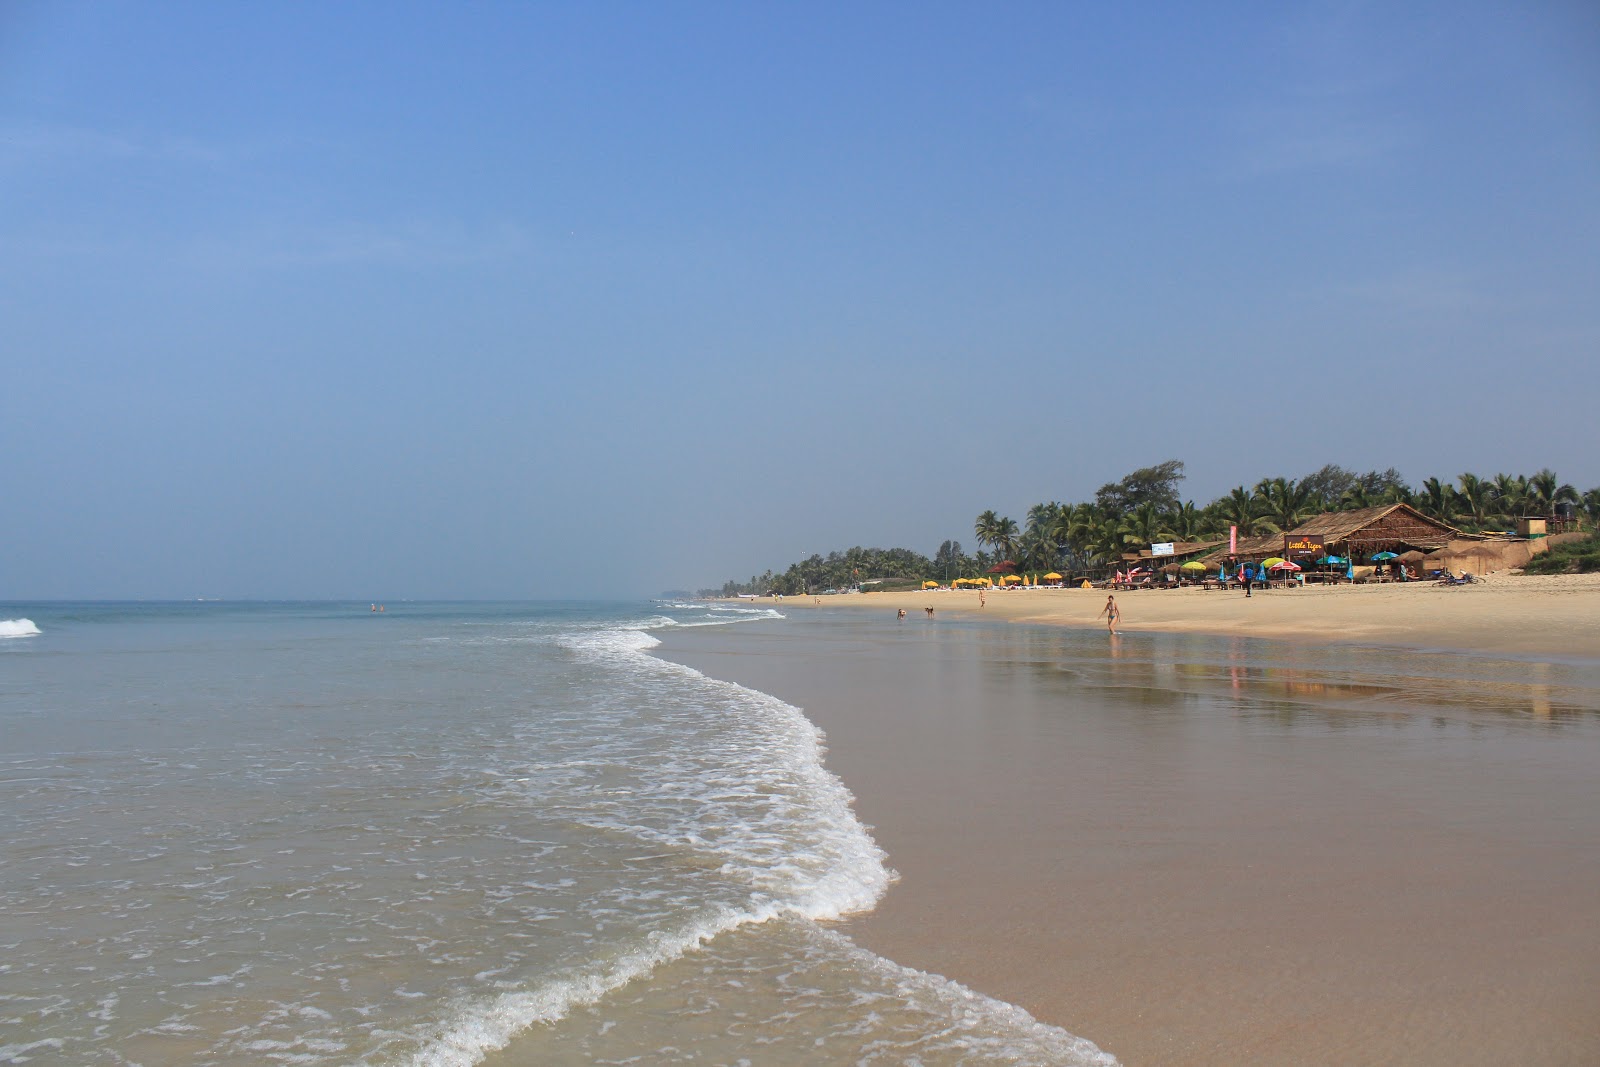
{"points": [[1285, 566]]}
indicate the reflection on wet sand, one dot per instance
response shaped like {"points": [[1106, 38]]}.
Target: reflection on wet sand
{"points": [[1212, 850], [1340, 682]]}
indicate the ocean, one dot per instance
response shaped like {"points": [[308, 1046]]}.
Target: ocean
{"points": [[440, 834]]}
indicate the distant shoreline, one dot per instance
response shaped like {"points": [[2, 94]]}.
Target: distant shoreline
{"points": [[1521, 615]]}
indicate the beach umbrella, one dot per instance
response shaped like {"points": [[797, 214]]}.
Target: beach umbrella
{"points": [[930, 585], [1285, 565], [1272, 561], [1385, 555], [1052, 577], [1329, 561], [1193, 565]]}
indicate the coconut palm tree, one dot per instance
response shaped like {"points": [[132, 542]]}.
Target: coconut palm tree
{"points": [[1511, 496], [1243, 509], [1545, 492], [1590, 503], [1355, 497], [1400, 494], [1144, 525], [1187, 522], [1005, 533], [1287, 502], [1476, 499], [986, 527], [1038, 550], [1440, 500]]}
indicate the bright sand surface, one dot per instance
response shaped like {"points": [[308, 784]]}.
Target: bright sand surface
{"points": [[1194, 847], [1556, 615]]}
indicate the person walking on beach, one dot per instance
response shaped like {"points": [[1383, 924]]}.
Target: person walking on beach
{"points": [[1246, 575], [981, 602], [1112, 614]]}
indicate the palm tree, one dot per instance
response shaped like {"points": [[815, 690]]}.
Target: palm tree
{"points": [[1038, 550], [1144, 525], [1355, 497], [1187, 522], [1042, 516], [986, 528], [1590, 502], [1475, 498], [1005, 532], [1511, 496], [1241, 508], [1287, 502], [1400, 494], [1545, 492], [1440, 500]]}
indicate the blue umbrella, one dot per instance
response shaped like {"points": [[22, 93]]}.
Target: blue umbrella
{"points": [[1329, 561], [1384, 555]]}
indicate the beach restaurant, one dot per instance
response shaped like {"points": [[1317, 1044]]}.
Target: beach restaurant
{"points": [[1357, 536]]}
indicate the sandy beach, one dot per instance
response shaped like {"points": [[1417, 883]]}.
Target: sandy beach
{"points": [[1524, 615], [1191, 846]]}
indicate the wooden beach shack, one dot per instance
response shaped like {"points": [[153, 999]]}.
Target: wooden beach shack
{"points": [[1355, 535]]}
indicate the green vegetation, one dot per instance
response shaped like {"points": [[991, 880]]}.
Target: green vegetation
{"points": [[1088, 538], [1579, 557]]}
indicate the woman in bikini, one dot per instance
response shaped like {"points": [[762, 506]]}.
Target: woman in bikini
{"points": [[1112, 614]]}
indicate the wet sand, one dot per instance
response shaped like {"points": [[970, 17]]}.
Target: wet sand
{"points": [[1535, 615], [1196, 849]]}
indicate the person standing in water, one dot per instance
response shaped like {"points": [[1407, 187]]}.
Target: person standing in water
{"points": [[1112, 613]]}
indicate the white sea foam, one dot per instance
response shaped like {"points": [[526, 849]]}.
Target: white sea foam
{"points": [[18, 628], [766, 807]]}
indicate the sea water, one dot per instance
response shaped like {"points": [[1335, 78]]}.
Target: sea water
{"points": [[436, 834]]}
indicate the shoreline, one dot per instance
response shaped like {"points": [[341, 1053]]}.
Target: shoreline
{"points": [[1541, 616], [1186, 873]]}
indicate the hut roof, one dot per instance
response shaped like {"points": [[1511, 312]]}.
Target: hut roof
{"points": [[1396, 523], [1405, 520], [1180, 549]]}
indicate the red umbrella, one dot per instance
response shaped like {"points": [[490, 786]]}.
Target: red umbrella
{"points": [[1285, 566]]}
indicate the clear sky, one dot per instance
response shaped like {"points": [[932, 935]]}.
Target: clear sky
{"points": [[506, 300]]}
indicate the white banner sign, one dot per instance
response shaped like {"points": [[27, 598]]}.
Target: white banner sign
{"points": [[1161, 549]]}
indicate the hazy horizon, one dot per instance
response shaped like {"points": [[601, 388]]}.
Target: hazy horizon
{"points": [[375, 302]]}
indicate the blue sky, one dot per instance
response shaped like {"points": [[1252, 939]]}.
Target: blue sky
{"points": [[496, 300]]}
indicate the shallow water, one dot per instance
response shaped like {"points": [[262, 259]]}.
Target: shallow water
{"points": [[314, 833]]}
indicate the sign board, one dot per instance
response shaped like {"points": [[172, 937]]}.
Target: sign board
{"points": [[1163, 549], [1302, 544]]}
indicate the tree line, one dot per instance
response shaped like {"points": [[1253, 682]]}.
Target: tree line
{"points": [[1145, 507]]}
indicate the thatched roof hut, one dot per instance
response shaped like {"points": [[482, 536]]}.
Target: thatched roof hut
{"points": [[1358, 533], [1182, 551]]}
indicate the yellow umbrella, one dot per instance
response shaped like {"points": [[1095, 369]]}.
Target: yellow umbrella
{"points": [[1052, 577], [1271, 561], [930, 585], [1194, 565]]}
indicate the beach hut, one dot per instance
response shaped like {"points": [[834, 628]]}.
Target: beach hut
{"points": [[1355, 534]]}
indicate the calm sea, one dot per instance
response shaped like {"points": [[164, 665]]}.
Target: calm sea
{"points": [[315, 833]]}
